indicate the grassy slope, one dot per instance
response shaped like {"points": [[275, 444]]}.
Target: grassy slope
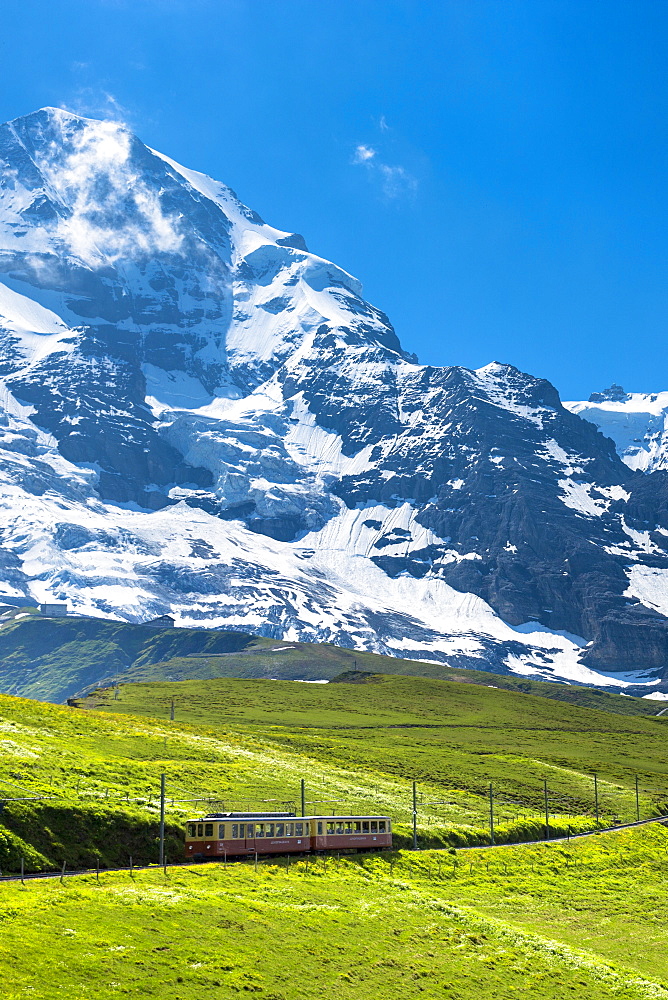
{"points": [[54, 659], [444, 734], [582, 921], [248, 743], [465, 925]]}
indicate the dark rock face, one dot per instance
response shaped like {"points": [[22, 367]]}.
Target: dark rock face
{"points": [[163, 350]]}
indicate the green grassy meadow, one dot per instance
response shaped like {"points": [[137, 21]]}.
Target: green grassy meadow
{"points": [[81, 784], [579, 918], [453, 738], [584, 920]]}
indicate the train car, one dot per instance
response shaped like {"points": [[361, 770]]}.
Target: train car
{"points": [[350, 833], [230, 835]]}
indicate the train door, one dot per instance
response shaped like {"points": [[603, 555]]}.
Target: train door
{"points": [[250, 838]]}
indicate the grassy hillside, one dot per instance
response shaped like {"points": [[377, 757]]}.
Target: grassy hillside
{"points": [[80, 784], [55, 659], [444, 734], [586, 920]]}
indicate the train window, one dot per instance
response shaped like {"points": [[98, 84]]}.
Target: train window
{"points": [[208, 829], [330, 828], [289, 829], [249, 830], [381, 826], [200, 830], [280, 829], [374, 826], [320, 828], [221, 831], [235, 831], [307, 827], [259, 830], [299, 829], [339, 826], [269, 830], [358, 826], [192, 829], [365, 826], [348, 826]]}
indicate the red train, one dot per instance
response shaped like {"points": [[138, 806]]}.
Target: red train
{"points": [[229, 835]]}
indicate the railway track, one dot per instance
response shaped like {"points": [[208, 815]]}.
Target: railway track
{"points": [[567, 840], [29, 877]]}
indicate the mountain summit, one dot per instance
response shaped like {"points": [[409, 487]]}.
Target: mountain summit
{"points": [[201, 416]]}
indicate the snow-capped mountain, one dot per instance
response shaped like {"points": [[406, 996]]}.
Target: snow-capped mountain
{"points": [[200, 416], [637, 422]]}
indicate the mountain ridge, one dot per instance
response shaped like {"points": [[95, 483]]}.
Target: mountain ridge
{"points": [[201, 416]]}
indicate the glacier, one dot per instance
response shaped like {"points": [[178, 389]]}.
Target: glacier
{"points": [[200, 416]]}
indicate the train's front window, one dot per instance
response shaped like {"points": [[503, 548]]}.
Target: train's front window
{"points": [[381, 826], [208, 829], [200, 830], [192, 829]]}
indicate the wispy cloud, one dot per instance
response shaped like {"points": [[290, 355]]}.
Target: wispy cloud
{"points": [[363, 154], [397, 181], [114, 213], [394, 180], [90, 102]]}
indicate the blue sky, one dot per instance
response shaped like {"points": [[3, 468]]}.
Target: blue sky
{"points": [[494, 171]]}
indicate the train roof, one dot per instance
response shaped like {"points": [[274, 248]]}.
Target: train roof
{"points": [[246, 815], [277, 816]]}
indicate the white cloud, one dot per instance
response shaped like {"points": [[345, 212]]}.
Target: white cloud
{"points": [[394, 180], [113, 213], [363, 154], [93, 103]]}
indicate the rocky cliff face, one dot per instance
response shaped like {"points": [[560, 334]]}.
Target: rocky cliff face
{"points": [[199, 415]]}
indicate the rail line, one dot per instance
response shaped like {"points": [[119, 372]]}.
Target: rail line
{"points": [[31, 876], [567, 839]]}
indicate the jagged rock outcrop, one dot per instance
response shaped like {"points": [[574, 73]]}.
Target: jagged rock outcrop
{"points": [[201, 416]]}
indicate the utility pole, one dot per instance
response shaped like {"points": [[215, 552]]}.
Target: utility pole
{"points": [[162, 819], [637, 801], [171, 712], [596, 795], [491, 813], [303, 797], [415, 816], [547, 811]]}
